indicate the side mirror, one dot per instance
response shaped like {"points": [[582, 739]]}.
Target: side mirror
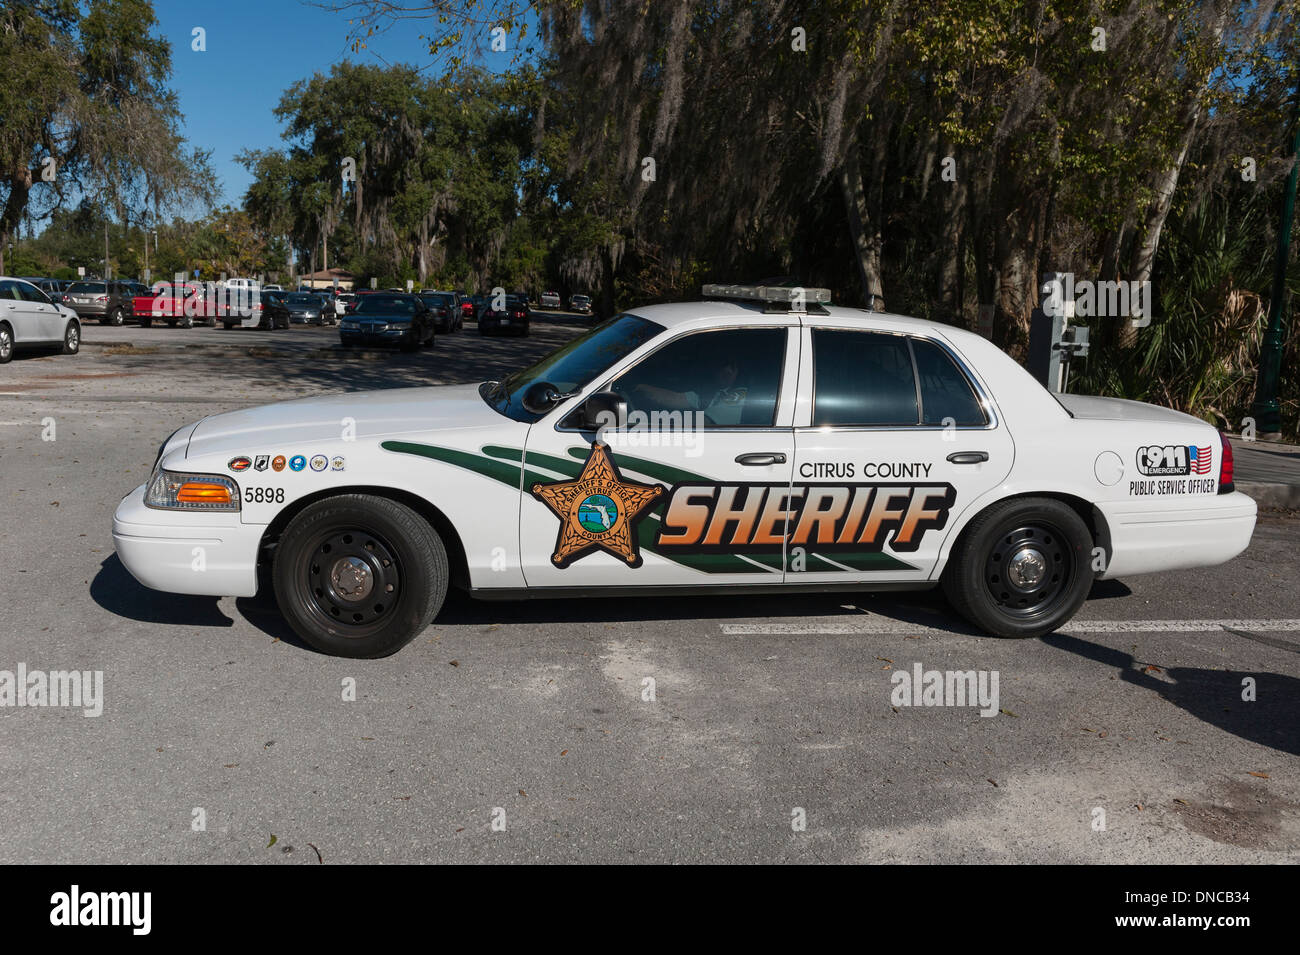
{"points": [[540, 397], [604, 409]]}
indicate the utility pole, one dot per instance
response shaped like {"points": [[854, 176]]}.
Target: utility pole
{"points": [[1265, 410]]}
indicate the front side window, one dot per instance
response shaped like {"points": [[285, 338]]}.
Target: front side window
{"points": [[726, 378]]}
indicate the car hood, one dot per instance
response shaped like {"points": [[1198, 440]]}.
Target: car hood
{"points": [[313, 420], [1121, 409]]}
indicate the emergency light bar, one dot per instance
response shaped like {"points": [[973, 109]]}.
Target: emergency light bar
{"points": [[794, 298]]}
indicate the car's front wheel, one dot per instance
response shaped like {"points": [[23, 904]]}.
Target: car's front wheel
{"points": [[114, 318], [359, 576], [6, 344], [1022, 567]]}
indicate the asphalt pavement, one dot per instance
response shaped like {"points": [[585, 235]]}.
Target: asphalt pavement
{"points": [[1163, 725]]}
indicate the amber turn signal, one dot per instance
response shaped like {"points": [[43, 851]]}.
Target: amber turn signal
{"points": [[198, 492]]}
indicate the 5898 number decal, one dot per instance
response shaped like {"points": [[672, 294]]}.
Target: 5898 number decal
{"points": [[264, 495]]}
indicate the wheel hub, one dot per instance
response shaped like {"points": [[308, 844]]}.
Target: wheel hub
{"points": [[1026, 568], [352, 578]]}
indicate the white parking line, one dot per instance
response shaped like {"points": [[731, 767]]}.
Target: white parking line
{"points": [[1078, 626]]}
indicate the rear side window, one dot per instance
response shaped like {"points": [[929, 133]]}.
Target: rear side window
{"points": [[862, 379], [946, 392]]}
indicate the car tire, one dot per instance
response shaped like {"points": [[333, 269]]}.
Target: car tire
{"points": [[1022, 567], [6, 344], [114, 318], [375, 545], [187, 321], [72, 337]]}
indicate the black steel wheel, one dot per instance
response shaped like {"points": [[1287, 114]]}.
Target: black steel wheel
{"points": [[1021, 568], [359, 576]]}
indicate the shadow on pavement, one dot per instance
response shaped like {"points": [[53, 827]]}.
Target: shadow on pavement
{"points": [[1212, 696], [116, 591]]}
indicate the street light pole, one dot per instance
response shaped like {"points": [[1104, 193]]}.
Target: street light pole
{"points": [[1265, 410]]}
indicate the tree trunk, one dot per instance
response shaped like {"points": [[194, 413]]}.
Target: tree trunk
{"points": [[606, 282], [20, 184], [863, 231], [951, 248]]}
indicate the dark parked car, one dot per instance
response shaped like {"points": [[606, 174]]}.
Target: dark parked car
{"points": [[275, 310], [387, 318], [110, 302], [445, 307], [580, 303], [307, 308], [512, 318]]}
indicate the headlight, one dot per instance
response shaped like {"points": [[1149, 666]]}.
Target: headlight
{"points": [[349, 326], [174, 491]]}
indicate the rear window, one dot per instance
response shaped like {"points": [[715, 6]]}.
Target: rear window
{"points": [[946, 393], [87, 287], [444, 300]]}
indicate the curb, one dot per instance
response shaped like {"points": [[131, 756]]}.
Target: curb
{"points": [[1271, 495]]}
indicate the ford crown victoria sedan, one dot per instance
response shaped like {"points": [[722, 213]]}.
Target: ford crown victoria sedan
{"points": [[723, 446]]}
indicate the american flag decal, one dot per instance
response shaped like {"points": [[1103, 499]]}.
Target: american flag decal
{"points": [[1201, 459]]}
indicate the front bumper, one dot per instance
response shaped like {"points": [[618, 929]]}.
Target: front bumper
{"points": [[1205, 531], [394, 337], [180, 552]]}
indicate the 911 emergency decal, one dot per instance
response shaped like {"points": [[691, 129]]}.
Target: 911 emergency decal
{"points": [[1173, 460], [1185, 469], [597, 509]]}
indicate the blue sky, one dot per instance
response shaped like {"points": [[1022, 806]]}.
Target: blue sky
{"points": [[254, 51]]}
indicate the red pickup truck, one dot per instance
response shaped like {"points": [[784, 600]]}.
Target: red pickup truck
{"points": [[186, 303]]}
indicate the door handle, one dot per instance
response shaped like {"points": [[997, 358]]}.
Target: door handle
{"points": [[968, 457], [760, 459]]}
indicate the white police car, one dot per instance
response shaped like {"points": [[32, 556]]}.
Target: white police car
{"points": [[703, 447]]}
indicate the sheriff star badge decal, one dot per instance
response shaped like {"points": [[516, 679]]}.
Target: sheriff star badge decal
{"points": [[597, 509]]}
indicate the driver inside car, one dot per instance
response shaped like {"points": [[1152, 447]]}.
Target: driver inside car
{"points": [[718, 398]]}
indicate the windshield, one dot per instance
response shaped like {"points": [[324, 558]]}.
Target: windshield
{"points": [[572, 366], [386, 304]]}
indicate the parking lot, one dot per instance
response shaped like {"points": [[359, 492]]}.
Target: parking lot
{"points": [[524, 732]]}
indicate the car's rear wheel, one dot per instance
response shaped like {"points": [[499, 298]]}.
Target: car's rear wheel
{"points": [[72, 337], [6, 344], [114, 318], [1022, 567], [359, 576]]}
